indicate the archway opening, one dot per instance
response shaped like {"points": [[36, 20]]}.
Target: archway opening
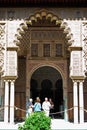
{"points": [[47, 82], [43, 38]]}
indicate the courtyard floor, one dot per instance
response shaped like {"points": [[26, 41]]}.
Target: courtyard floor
{"points": [[57, 124]]}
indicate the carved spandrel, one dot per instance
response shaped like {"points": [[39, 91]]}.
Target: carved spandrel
{"points": [[84, 38], [2, 45], [2, 32]]}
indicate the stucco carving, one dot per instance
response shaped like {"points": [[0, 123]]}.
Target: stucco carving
{"points": [[2, 32], [45, 18], [84, 36], [43, 13], [2, 45], [67, 31]]}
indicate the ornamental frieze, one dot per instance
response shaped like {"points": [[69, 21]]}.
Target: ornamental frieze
{"points": [[43, 35], [46, 35]]}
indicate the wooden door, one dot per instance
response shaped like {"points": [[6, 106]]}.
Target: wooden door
{"points": [[20, 103]]}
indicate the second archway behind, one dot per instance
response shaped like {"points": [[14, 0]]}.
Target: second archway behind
{"points": [[47, 82]]}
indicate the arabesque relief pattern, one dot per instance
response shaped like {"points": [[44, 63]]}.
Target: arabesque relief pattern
{"points": [[2, 45], [84, 36]]}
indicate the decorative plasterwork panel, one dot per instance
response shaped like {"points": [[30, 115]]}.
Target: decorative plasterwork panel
{"points": [[11, 31], [11, 63], [2, 45], [76, 65], [84, 44], [40, 35], [75, 31], [47, 34]]}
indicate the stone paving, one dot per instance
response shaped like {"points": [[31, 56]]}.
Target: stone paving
{"points": [[57, 124], [63, 125]]}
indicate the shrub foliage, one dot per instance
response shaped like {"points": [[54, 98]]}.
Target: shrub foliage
{"points": [[36, 121]]}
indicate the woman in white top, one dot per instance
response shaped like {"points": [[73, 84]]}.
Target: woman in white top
{"points": [[46, 106]]}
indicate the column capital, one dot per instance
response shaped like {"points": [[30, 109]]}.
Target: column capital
{"points": [[9, 78], [12, 80], [81, 81], [6, 80], [15, 48], [78, 81], [77, 78], [75, 48]]}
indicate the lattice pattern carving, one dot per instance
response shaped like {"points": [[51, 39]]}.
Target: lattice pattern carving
{"points": [[42, 19], [11, 63], [84, 27], [2, 45]]}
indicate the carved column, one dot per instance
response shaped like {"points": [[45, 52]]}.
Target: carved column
{"points": [[81, 102], [11, 75], [12, 96], [75, 101], [77, 74], [6, 101]]}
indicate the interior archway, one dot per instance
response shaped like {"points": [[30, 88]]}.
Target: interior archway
{"points": [[47, 82]]}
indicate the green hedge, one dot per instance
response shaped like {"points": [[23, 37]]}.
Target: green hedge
{"points": [[36, 121]]}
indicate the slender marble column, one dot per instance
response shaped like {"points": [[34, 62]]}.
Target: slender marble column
{"points": [[65, 109], [81, 103], [12, 102], [75, 99], [6, 102]]}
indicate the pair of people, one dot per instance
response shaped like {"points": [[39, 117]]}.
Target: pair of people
{"points": [[46, 106], [36, 107]]}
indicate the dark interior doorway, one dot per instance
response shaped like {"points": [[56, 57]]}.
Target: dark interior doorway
{"points": [[47, 82], [34, 90], [46, 89]]}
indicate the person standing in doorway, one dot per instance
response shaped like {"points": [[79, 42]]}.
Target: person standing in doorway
{"points": [[52, 107], [30, 106], [46, 106], [37, 105]]}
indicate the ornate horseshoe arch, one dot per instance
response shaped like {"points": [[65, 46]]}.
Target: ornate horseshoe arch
{"points": [[28, 23], [39, 15]]}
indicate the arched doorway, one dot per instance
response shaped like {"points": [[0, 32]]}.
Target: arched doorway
{"points": [[47, 82], [44, 42]]}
